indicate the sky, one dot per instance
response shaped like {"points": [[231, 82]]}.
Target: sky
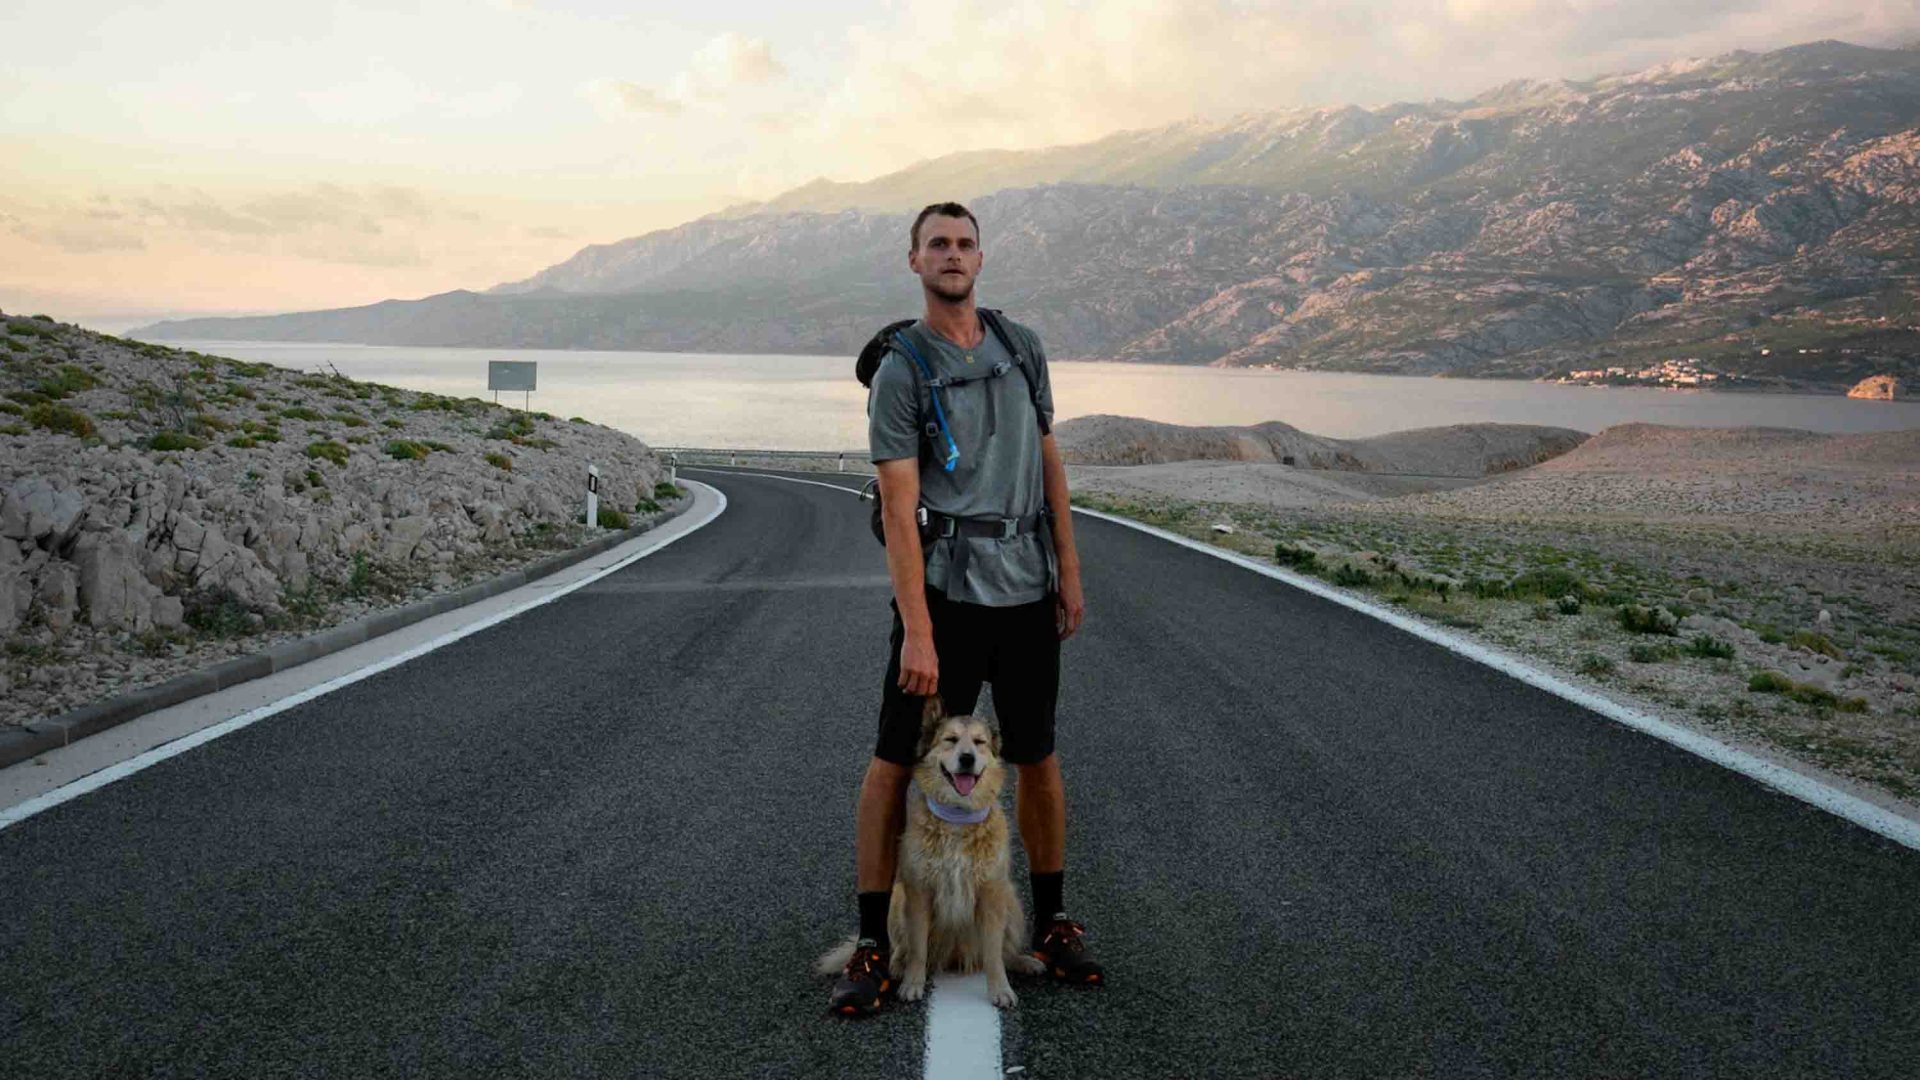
{"points": [[183, 156]]}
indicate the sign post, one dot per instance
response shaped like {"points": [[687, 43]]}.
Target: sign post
{"points": [[511, 375], [593, 497]]}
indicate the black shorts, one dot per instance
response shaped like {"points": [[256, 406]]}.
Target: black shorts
{"points": [[1017, 649]]}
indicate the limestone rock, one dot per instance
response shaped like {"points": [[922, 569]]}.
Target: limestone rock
{"points": [[58, 590], [1877, 388], [116, 594], [404, 535]]}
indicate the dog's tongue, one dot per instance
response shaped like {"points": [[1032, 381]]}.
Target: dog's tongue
{"points": [[963, 783]]}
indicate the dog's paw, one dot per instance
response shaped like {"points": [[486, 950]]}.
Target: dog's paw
{"points": [[1003, 996], [912, 989], [1026, 964]]}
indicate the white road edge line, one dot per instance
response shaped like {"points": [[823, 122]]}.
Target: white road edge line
{"points": [[93, 781], [1805, 788], [963, 1027]]}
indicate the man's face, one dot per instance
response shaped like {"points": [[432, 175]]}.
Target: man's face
{"points": [[948, 258]]}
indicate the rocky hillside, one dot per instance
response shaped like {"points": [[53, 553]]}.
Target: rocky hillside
{"points": [[1458, 450], [1758, 211], [155, 504]]}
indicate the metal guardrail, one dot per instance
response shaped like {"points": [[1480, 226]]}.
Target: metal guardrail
{"points": [[854, 461]]}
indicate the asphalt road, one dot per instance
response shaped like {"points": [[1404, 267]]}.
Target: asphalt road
{"points": [[607, 837]]}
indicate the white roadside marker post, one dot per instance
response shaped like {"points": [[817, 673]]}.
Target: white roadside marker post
{"points": [[593, 497]]}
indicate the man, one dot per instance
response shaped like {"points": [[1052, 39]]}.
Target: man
{"points": [[987, 602]]}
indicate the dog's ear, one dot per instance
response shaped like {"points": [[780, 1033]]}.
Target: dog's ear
{"points": [[993, 737], [931, 718]]}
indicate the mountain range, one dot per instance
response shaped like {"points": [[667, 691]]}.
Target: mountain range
{"points": [[1757, 211]]}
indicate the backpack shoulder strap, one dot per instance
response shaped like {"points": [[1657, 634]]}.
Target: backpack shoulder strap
{"points": [[933, 419], [992, 317]]}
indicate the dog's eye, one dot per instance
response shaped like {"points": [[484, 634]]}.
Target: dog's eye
{"points": [[950, 739]]}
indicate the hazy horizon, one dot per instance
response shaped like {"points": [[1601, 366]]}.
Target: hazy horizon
{"points": [[199, 158]]}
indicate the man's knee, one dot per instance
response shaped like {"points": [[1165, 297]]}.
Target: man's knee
{"points": [[1045, 772], [885, 778]]}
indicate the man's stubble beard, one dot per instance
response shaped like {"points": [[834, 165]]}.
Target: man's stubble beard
{"points": [[950, 296]]}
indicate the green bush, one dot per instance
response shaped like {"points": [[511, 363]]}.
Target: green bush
{"points": [[1769, 682], [500, 461], [613, 519], [1595, 664], [216, 613], [1299, 558], [243, 442], [394, 422], [1852, 705], [351, 419], [1639, 619], [1642, 653], [328, 451], [175, 440], [301, 412], [71, 380], [513, 428], [1351, 577], [61, 419], [1550, 583], [404, 450], [664, 490], [1709, 647], [1568, 605], [1818, 642]]}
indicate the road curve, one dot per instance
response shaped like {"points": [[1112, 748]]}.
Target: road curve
{"points": [[607, 836]]}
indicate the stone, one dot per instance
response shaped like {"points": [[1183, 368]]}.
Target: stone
{"points": [[403, 535], [1824, 620], [58, 591], [1700, 596], [168, 612], [116, 594], [1877, 388]]}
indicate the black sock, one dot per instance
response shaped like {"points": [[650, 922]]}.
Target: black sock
{"points": [[873, 917], [1047, 904]]}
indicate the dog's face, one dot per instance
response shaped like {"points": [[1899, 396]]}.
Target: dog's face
{"points": [[960, 761]]}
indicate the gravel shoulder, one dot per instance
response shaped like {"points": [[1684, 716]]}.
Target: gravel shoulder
{"points": [[164, 510], [1759, 585]]}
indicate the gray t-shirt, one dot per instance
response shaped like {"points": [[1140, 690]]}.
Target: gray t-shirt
{"points": [[999, 472]]}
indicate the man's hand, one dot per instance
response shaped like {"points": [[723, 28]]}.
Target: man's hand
{"points": [[919, 667], [1070, 607]]}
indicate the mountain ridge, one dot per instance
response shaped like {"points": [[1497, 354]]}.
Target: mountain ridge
{"points": [[1736, 208]]}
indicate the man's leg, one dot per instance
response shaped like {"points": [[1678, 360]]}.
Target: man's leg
{"points": [[1040, 805], [881, 816]]}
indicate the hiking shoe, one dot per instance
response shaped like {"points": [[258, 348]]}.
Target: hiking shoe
{"points": [[866, 983], [1063, 948]]}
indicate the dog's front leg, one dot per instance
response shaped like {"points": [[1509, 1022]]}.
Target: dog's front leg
{"points": [[913, 944], [994, 909]]}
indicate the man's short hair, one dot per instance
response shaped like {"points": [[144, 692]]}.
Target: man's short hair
{"points": [[944, 209]]}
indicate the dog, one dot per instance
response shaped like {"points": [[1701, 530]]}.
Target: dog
{"points": [[953, 906]]}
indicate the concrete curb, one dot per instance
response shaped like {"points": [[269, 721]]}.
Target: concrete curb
{"points": [[39, 736]]}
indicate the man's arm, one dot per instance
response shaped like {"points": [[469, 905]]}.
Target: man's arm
{"points": [[906, 564], [1072, 606]]}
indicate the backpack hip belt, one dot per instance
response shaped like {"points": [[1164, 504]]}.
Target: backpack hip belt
{"points": [[944, 526]]}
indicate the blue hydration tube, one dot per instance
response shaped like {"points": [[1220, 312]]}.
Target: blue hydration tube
{"points": [[939, 414]]}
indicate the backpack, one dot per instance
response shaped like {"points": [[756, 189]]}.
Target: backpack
{"points": [[937, 439]]}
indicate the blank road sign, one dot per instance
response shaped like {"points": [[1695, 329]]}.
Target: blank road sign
{"points": [[510, 375]]}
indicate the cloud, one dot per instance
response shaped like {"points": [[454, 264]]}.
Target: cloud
{"points": [[936, 76], [720, 69], [371, 226], [79, 235]]}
